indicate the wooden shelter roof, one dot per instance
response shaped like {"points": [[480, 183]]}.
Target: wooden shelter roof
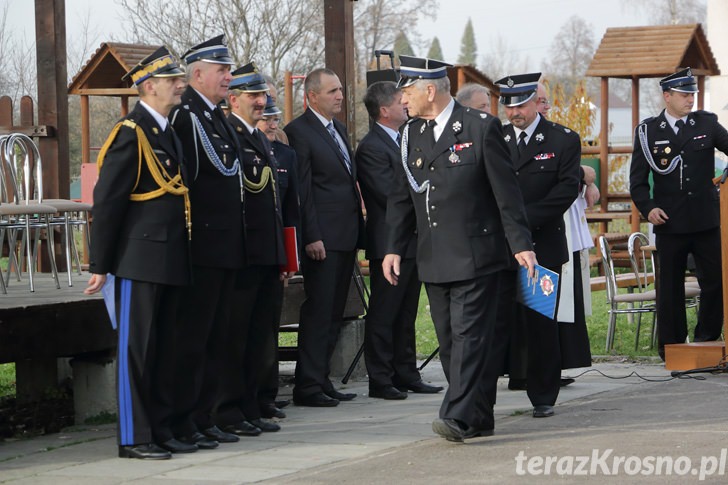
{"points": [[654, 51], [102, 74], [462, 73]]}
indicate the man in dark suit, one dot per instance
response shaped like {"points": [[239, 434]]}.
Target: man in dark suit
{"points": [[457, 188], [331, 223], [216, 192], [141, 237], [546, 159], [289, 201], [389, 333], [259, 286], [677, 149]]}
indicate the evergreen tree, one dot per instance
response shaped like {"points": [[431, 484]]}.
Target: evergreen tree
{"points": [[468, 46], [435, 51], [402, 45]]}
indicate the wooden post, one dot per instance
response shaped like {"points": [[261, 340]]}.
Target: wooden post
{"points": [[85, 130], [50, 33], [288, 92], [339, 42], [604, 152], [635, 121], [701, 88]]}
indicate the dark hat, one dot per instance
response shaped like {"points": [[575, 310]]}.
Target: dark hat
{"points": [[270, 107], [682, 82], [248, 79], [412, 69], [160, 63], [214, 50], [516, 90]]}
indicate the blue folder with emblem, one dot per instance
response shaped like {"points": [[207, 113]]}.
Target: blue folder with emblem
{"points": [[540, 292]]}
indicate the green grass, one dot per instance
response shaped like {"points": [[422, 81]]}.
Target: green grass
{"points": [[7, 380]]}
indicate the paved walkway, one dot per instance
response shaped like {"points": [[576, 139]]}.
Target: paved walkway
{"points": [[376, 441]]}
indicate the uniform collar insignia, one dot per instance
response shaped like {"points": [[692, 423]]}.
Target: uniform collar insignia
{"points": [[483, 115], [457, 126], [663, 124], [155, 130], [422, 128], [208, 115], [539, 136], [691, 121], [507, 138]]}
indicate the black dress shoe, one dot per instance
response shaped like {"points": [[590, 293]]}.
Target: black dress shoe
{"points": [[543, 411], [265, 426], [419, 387], [316, 400], [341, 396], [281, 403], [517, 384], [144, 452], [176, 446], [451, 430], [243, 428], [565, 381], [387, 392], [199, 439], [269, 410], [219, 435]]}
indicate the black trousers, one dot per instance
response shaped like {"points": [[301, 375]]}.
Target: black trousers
{"points": [[672, 253], [201, 372], [146, 314], [389, 334], [252, 347], [326, 284], [464, 315]]}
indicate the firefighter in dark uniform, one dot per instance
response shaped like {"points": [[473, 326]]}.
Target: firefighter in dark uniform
{"points": [[288, 199], [216, 191], [546, 159], [141, 235], [457, 188], [677, 148], [258, 288]]}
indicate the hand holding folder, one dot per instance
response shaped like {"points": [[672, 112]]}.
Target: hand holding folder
{"points": [[540, 292]]}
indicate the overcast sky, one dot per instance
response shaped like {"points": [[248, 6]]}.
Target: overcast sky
{"points": [[528, 26]]}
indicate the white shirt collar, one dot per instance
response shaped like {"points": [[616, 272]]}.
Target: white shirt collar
{"points": [[529, 129], [250, 128], [321, 117], [672, 120], [161, 120], [209, 103], [441, 119], [393, 134]]}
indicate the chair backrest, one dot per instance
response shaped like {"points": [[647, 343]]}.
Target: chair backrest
{"points": [[638, 259], [610, 279], [23, 169]]}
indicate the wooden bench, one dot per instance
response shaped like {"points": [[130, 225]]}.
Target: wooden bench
{"points": [[625, 280]]}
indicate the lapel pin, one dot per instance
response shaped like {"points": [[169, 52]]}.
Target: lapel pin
{"points": [[539, 136], [155, 130], [457, 126], [418, 163]]}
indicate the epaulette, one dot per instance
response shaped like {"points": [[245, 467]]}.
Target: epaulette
{"points": [[129, 123], [476, 113], [648, 120]]}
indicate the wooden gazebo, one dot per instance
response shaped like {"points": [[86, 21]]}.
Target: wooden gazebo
{"points": [[101, 76], [644, 52], [461, 74]]}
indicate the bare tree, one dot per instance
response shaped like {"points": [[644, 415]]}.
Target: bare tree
{"points": [[570, 53], [502, 59], [379, 22], [664, 12], [278, 35]]}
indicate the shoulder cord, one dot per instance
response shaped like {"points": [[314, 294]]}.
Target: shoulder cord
{"points": [[425, 187], [642, 135], [167, 184]]}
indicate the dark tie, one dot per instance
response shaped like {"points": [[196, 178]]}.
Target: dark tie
{"points": [[429, 132], [679, 125], [344, 152], [398, 141], [521, 142]]}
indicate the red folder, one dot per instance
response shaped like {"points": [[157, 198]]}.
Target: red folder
{"points": [[290, 241]]}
